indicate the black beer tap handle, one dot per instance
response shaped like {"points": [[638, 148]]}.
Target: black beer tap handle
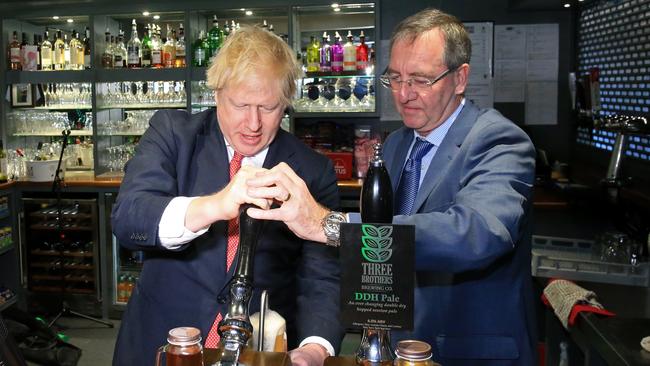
{"points": [[249, 232]]}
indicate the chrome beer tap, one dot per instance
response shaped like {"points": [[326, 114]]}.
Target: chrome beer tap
{"points": [[236, 329]]}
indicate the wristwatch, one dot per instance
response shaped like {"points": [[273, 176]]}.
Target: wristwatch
{"points": [[332, 227]]}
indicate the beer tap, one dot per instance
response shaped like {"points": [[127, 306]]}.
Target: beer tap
{"points": [[377, 207], [236, 329]]}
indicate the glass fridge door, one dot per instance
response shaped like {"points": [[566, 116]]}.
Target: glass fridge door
{"points": [[127, 265]]}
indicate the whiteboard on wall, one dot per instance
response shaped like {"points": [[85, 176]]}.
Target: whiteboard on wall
{"points": [[526, 69], [480, 86]]}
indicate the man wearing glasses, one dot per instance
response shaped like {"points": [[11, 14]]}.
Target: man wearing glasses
{"points": [[472, 174]]}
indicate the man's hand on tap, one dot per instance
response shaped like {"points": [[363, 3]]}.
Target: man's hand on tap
{"points": [[224, 205], [311, 354], [297, 207]]}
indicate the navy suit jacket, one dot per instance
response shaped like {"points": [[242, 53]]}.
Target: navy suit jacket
{"points": [[473, 296], [185, 155]]}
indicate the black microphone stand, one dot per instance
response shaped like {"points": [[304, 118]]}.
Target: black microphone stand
{"points": [[56, 188]]}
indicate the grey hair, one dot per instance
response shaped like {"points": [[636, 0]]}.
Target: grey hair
{"points": [[458, 46]]}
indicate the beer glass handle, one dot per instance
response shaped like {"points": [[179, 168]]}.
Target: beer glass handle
{"points": [[161, 350]]}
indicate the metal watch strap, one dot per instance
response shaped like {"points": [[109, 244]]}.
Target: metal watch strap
{"points": [[332, 227]]}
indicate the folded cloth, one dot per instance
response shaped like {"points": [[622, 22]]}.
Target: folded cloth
{"points": [[568, 300]]}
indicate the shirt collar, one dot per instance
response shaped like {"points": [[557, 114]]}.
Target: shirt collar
{"points": [[438, 134], [256, 160]]}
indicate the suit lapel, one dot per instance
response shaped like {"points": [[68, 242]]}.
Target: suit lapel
{"points": [[446, 152], [211, 159], [281, 150], [395, 169]]}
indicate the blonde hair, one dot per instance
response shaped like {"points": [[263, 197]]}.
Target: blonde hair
{"points": [[251, 50]]}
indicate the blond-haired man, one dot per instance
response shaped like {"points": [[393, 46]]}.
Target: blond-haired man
{"points": [[177, 199]]}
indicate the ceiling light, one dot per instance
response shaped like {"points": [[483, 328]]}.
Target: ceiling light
{"points": [[70, 20], [242, 9], [156, 17], [56, 17], [337, 9], [335, 5], [145, 13], [567, 5], [248, 12]]}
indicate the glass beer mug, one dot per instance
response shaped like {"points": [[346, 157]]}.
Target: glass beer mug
{"points": [[183, 348]]}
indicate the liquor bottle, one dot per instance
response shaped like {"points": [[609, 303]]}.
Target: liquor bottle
{"points": [[271, 29], [107, 55], [337, 54], [86, 44], [146, 47], [313, 56], [133, 52], [180, 47], [233, 26], [376, 207], [200, 50], [325, 54], [13, 56], [265, 25], [59, 52], [215, 38], [169, 49], [156, 47], [66, 52], [38, 39], [23, 44], [75, 51], [362, 53], [349, 54], [120, 48]]}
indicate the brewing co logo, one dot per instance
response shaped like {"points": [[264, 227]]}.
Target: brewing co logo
{"points": [[376, 241]]}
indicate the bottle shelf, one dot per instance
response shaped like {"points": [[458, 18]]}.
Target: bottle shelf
{"points": [[54, 253], [63, 107], [70, 290], [43, 77], [340, 74], [53, 134], [115, 75], [50, 214], [53, 227], [144, 106], [134, 133]]}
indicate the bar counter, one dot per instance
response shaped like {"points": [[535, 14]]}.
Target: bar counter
{"points": [[605, 340]]}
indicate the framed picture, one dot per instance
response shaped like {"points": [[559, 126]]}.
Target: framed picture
{"points": [[22, 95]]}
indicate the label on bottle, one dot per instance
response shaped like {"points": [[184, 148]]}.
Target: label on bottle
{"points": [[167, 59], [133, 57], [362, 65], [118, 61], [46, 58], [156, 57], [199, 57], [30, 58], [14, 54]]}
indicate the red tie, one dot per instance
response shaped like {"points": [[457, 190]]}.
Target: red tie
{"points": [[212, 340]]}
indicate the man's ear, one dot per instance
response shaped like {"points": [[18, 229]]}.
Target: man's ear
{"points": [[461, 77]]}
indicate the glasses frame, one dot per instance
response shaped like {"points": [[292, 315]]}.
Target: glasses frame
{"points": [[385, 80]]}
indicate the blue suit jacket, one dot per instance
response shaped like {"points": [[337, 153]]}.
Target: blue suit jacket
{"points": [[473, 296], [183, 155]]}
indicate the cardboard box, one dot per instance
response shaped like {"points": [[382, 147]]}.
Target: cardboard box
{"points": [[342, 164]]}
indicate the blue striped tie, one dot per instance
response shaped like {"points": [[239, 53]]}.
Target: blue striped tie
{"points": [[409, 182]]}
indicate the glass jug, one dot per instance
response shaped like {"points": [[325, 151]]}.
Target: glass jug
{"points": [[183, 348]]}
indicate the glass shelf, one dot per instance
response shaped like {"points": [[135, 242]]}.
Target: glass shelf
{"points": [[62, 107], [144, 106], [72, 133]]}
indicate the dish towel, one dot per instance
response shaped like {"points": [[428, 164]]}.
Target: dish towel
{"points": [[568, 300]]}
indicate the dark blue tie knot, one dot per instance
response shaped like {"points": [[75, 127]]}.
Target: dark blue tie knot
{"points": [[410, 179], [420, 148]]}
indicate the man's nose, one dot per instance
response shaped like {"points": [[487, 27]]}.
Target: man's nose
{"points": [[253, 121], [405, 92]]}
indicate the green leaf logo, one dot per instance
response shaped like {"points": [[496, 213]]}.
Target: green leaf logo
{"points": [[376, 243]]}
